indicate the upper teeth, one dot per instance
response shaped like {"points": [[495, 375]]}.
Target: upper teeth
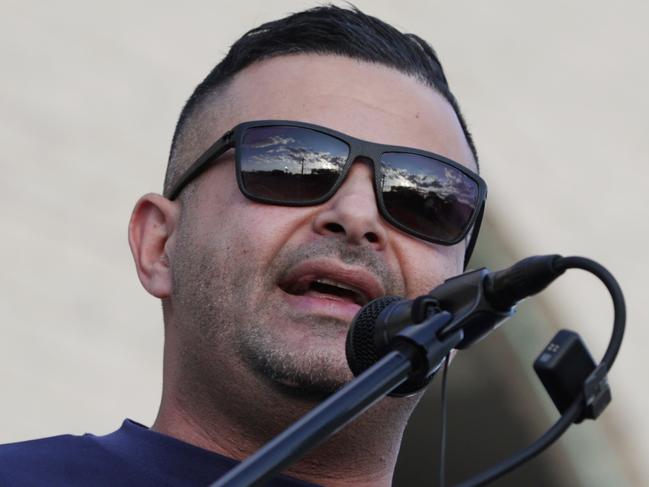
{"points": [[336, 283]]}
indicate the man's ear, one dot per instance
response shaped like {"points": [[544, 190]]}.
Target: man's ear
{"points": [[150, 230]]}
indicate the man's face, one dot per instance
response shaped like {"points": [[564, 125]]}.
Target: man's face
{"points": [[265, 294]]}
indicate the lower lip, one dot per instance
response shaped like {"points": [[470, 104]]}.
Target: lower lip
{"points": [[321, 306]]}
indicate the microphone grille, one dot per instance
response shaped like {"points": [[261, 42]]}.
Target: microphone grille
{"points": [[360, 347]]}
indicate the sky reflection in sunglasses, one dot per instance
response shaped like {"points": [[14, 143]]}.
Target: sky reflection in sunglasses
{"points": [[300, 165]]}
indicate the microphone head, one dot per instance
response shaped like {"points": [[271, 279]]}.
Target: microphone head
{"points": [[361, 346]]}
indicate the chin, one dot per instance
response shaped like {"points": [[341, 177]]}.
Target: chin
{"points": [[312, 373]]}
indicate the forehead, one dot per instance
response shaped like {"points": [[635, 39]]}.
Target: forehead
{"points": [[365, 100]]}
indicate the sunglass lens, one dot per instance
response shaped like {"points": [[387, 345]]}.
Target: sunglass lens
{"points": [[428, 196], [286, 164]]}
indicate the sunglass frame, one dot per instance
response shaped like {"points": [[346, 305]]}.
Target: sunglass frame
{"points": [[358, 148]]}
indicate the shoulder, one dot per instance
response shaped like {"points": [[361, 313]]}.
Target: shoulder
{"points": [[58, 460], [129, 457]]}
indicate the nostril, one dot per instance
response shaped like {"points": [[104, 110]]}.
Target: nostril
{"points": [[338, 228], [372, 237], [335, 228]]}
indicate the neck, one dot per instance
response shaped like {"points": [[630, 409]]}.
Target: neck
{"points": [[364, 453], [237, 416]]}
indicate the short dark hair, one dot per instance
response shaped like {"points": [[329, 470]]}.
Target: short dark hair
{"points": [[324, 30]]}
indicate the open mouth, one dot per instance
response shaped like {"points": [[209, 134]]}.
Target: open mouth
{"points": [[326, 288]]}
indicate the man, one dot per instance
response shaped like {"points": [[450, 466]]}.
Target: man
{"points": [[286, 207]]}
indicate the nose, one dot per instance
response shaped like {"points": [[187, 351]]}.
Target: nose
{"points": [[352, 213]]}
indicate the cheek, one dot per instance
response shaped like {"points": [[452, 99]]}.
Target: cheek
{"points": [[426, 266], [270, 227], [232, 224]]}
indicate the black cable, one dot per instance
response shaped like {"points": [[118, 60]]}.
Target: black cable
{"points": [[619, 307], [575, 409], [531, 451], [442, 449]]}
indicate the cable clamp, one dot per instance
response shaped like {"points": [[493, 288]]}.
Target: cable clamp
{"points": [[597, 392]]}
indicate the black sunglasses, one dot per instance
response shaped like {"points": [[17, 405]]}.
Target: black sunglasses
{"points": [[299, 164]]}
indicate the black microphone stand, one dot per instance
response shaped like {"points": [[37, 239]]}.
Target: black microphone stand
{"points": [[416, 353]]}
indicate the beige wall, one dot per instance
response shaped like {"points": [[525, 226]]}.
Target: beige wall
{"points": [[555, 93]]}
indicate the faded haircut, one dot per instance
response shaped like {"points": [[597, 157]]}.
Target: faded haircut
{"points": [[326, 30]]}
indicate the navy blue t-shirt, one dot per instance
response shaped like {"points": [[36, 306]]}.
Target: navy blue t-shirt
{"points": [[131, 456]]}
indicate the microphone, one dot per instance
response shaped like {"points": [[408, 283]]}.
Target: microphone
{"points": [[479, 301]]}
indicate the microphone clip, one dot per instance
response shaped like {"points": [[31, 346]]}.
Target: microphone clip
{"points": [[426, 350], [465, 298]]}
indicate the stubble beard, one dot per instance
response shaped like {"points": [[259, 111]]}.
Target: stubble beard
{"points": [[312, 373], [231, 306]]}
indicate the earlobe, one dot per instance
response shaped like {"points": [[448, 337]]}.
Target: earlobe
{"points": [[150, 230]]}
